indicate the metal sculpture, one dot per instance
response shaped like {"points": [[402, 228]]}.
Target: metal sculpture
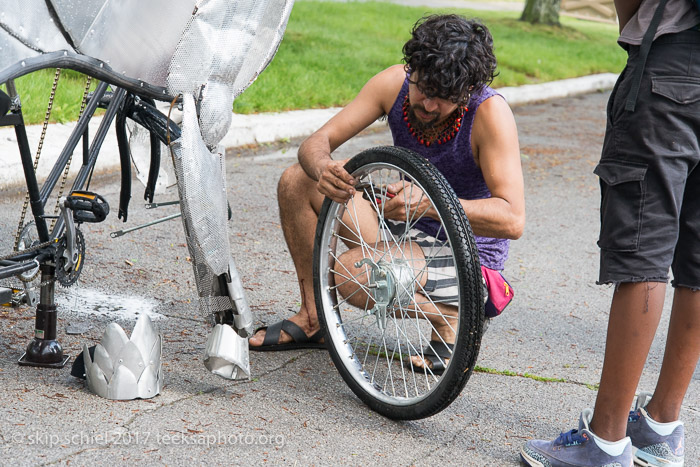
{"points": [[206, 52]]}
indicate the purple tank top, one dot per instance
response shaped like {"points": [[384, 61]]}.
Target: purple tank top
{"points": [[455, 161]]}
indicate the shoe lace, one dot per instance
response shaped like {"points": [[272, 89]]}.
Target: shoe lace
{"points": [[633, 416], [569, 438]]}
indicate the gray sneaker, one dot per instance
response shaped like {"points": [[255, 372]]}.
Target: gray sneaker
{"points": [[573, 448], [650, 448]]}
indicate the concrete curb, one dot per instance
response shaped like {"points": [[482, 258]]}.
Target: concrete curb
{"points": [[256, 128], [530, 93]]}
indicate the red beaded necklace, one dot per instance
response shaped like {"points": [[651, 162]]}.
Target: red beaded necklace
{"points": [[449, 128]]}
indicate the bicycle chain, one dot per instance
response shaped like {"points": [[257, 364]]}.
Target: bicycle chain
{"points": [[47, 117], [23, 289], [25, 239], [21, 225], [36, 247], [64, 279], [26, 287], [40, 146], [70, 279]]}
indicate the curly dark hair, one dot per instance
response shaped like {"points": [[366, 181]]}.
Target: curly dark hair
{"points": [[451, 55]]}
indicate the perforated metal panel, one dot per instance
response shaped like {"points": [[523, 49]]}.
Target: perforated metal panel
{"points": [[200, 175], [222, 50], [135, 37]]}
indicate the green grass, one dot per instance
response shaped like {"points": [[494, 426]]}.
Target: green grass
{"points": [[542, 379], [331, 49], [34, 90]]}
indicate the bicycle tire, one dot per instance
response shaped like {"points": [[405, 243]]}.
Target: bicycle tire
{"points": [[347, 346]]}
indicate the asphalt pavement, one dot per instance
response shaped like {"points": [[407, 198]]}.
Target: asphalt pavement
{"points": [[248, 129], [538, 365]]}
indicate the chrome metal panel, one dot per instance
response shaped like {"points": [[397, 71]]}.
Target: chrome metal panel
{"points": [[13, 51], [268, 36], [226, 353], [27, 30], [136, 38], [201, 184], [184, 44], [77, 16], [222, 50]]}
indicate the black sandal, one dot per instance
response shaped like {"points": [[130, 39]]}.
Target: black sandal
{"points": [[300, 339]]}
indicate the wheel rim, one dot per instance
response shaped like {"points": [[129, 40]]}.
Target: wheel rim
{"points": [[375, 343]]}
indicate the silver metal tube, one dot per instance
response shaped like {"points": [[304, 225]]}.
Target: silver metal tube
{"points": [[48, 288], [119, 233]]}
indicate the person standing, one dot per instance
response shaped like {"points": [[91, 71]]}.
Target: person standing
{"points": [[650, 221]]}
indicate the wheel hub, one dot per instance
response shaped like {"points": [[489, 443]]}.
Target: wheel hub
{"points": [[390, 286]]}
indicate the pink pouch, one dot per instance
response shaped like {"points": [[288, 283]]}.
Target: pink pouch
{"points": [[500, 292]]}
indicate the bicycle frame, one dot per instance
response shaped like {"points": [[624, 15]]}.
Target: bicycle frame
{"points": [[119, 104], [136, 108], [207, 53]]}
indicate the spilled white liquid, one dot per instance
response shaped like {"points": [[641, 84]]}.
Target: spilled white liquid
{"points": [[97, 304]]}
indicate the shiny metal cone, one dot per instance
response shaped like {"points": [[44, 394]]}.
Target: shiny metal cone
{"points": [[123, 368], [226, 353]]}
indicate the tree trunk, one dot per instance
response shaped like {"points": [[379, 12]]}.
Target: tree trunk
{"points": [[541, 12]]}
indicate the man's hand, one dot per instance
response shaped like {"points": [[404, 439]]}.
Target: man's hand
{"points": [[335, 182], [409, 203]]}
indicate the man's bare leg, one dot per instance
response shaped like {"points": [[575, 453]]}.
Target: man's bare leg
{"points": [[634, 316], [299, 205], [680, 357], [443, 320], [442, 317]]}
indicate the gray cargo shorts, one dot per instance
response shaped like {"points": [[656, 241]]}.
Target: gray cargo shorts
{"points": [[649, 174]]}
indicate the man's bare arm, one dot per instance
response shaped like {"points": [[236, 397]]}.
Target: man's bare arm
{"points": [[374, 100], [625, 10], [495, 144], [331, 177]]}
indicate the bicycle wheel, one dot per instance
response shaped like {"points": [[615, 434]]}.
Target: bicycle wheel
{"points": [[391, 292]]}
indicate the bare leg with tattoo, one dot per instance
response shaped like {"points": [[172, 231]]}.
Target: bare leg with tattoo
{"points": [[636, 311], [299, 204]]}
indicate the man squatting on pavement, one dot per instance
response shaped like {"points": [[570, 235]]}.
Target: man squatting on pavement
{"points": [[443, 85], [650, 221]]}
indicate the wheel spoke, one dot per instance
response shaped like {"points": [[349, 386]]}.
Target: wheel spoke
{"points": [[379, 315]]}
